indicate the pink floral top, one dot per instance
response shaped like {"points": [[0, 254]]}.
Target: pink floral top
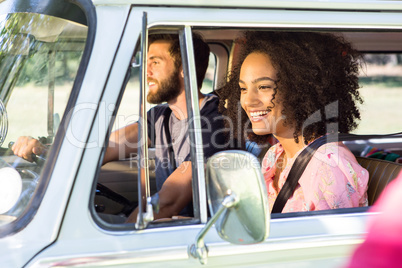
{"points": [[332, 179]]}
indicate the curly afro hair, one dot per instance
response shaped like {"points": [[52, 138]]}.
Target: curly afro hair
{"points": [[317, 76]]}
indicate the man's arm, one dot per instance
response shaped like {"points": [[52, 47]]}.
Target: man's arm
{"points": [[122, 143], [174, 195]]}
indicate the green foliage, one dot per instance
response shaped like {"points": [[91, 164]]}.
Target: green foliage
{"points": [[382, 81], [36, 69], [24, 59]]}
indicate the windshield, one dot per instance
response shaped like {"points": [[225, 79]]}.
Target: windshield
{"points": [[39, 59]]}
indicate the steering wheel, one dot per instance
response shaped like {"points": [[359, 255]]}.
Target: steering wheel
{"points": [[102, 190]]}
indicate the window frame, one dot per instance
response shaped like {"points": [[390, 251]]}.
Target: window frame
{"points": [[84, 13]]}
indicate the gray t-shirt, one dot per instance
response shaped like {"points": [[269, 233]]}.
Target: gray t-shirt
{"points": [[212, 135]]}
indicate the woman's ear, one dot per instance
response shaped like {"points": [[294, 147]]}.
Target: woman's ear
{"points": [[182, 73]]}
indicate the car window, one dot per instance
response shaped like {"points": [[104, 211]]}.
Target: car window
{"points": [[39, 59], [129, 107], [381, 89], [209, 81], [380, 82], [121, 177]]}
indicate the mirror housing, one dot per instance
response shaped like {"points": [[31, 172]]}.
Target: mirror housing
{"points": [[237, 199]]}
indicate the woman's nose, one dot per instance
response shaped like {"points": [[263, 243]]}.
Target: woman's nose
{"points": [[251, 97]]}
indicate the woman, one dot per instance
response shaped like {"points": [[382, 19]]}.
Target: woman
{"points": [[299, 87]]}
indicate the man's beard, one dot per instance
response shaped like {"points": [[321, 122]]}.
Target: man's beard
{"points": [[168, 89]]}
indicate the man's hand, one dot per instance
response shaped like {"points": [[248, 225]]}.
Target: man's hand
{"points": [[25, 146], [176, 193]]}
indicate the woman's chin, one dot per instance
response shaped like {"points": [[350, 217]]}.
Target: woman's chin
{"points": [[260, 132]]}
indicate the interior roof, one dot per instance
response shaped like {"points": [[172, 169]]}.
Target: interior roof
{"points": [[363, 41]]}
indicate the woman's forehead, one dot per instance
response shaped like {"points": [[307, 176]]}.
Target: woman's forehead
{"points": [[257, 66]]}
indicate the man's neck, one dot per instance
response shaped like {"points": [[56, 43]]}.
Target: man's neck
{"points": [[179, 105]]}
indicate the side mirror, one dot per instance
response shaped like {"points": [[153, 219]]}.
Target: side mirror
{"points": [[237, 199], [10, 188]]}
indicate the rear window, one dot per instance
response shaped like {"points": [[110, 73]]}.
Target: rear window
{"points": [[381, 90]]}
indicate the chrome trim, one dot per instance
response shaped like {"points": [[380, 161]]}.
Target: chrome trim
{"points": [[337, 26], [199, 250], [143, 217], [52, 81], [193, 111], [273, 4], [296, 19]]}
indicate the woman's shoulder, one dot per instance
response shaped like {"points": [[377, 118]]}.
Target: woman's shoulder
{"points": [[333, 154], [336, 158], [334, 175]]}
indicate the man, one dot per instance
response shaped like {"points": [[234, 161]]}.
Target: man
{"points": [[166, 84]]}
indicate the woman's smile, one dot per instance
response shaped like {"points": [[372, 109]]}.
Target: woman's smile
{"points": [[256, 116]]}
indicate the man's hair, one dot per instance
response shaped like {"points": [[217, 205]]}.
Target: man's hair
{"points": [[201, 52], [315, 72]]}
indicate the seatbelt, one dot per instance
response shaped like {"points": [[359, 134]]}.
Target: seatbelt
{"points": [[304, 158], [166, 118]]}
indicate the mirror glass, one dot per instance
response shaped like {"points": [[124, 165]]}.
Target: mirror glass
{"points": [[10, 188], [238, 172]]}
